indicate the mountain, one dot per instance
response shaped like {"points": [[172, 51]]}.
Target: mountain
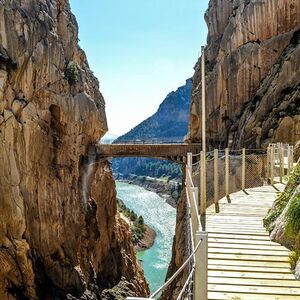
{"points": [[168, 124]]}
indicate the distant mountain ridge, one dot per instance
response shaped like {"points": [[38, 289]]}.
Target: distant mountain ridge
{"points": [[169, 122]]}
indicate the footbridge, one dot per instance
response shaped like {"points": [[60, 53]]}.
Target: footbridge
{"points": [[173, 152], [229, 254]]}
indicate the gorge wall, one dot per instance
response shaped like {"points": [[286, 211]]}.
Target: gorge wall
{"points": [[60, 236], [252, 87], [252, 74]]}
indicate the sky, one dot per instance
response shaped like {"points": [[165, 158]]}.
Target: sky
{"points": [[140, 50]]}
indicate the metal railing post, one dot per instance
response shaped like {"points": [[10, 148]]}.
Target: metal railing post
{"points": [[243, 169], [272, 162], [216, 180], [201, 267], [227, 174], [189, 169], [203, 184]]}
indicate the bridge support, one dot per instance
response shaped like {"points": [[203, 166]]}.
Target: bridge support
{"points": [[201, 266]]}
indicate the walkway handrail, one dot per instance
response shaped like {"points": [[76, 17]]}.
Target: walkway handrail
{"points": [[171, 279], [189, 279]]}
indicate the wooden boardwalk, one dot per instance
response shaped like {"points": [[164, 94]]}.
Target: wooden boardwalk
{"points": [[242, 261]]}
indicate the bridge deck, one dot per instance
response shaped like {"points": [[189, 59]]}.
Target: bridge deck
{"points": [[166, 151], [242, 261]]}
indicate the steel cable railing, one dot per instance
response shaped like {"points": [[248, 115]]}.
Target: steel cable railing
{"points": [[172, 278]]}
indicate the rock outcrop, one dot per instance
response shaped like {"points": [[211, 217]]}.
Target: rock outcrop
{"points": [[60, 237], [252, 74]]}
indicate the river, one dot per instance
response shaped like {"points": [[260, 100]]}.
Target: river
{"points": [[162, 218]]}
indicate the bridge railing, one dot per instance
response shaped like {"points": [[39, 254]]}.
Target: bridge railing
{"points": [[226, 171]]}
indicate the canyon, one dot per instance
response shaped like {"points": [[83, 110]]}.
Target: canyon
{"points": [[60, 234]]}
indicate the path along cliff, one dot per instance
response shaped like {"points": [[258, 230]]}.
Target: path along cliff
{"points": [[252, 86], [60, 236]]}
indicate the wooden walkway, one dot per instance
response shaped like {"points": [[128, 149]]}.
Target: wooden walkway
{"points": [[242, 261]]}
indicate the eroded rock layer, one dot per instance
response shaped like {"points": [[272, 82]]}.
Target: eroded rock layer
{"points": [[252, 74], [59, 234]]}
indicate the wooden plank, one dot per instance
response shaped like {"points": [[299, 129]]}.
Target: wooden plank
{"points": [[237, 232], [238, 236], [271, 258], [224, 226], [225, 241], [234, 229], [254, 289], [260, 253], [245, 296], [254, 274], [267, 282], [271, 246], [236, 262], [250, 268]]}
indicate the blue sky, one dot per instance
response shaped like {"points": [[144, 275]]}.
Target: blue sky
{"points": [[140, 50]]}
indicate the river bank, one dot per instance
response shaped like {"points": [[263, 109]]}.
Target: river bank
{"points": [[168, 190], [161, 217], [143, 236], [147, 241]]}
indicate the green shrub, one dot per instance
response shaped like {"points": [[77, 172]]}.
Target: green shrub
{"points": [[141, 220], [72, 72], [282, 200], [293, 258], [293, 216]]}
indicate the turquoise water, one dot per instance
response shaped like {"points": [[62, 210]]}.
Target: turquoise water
{"points": [[161, 217]]}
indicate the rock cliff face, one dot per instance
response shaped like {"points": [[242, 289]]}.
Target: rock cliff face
{"points": [[252, 73], [59, 234], [252, 86]]}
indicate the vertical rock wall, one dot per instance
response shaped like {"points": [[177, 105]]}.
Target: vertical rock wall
{"points": [[252, 86], [59, 232], [252, 74]]}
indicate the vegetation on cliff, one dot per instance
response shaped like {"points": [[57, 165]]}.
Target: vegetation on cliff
{"points": [[141, 234], [283, 219]]}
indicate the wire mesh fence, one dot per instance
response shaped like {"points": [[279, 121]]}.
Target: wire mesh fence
{"points": [[227, 172]]}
